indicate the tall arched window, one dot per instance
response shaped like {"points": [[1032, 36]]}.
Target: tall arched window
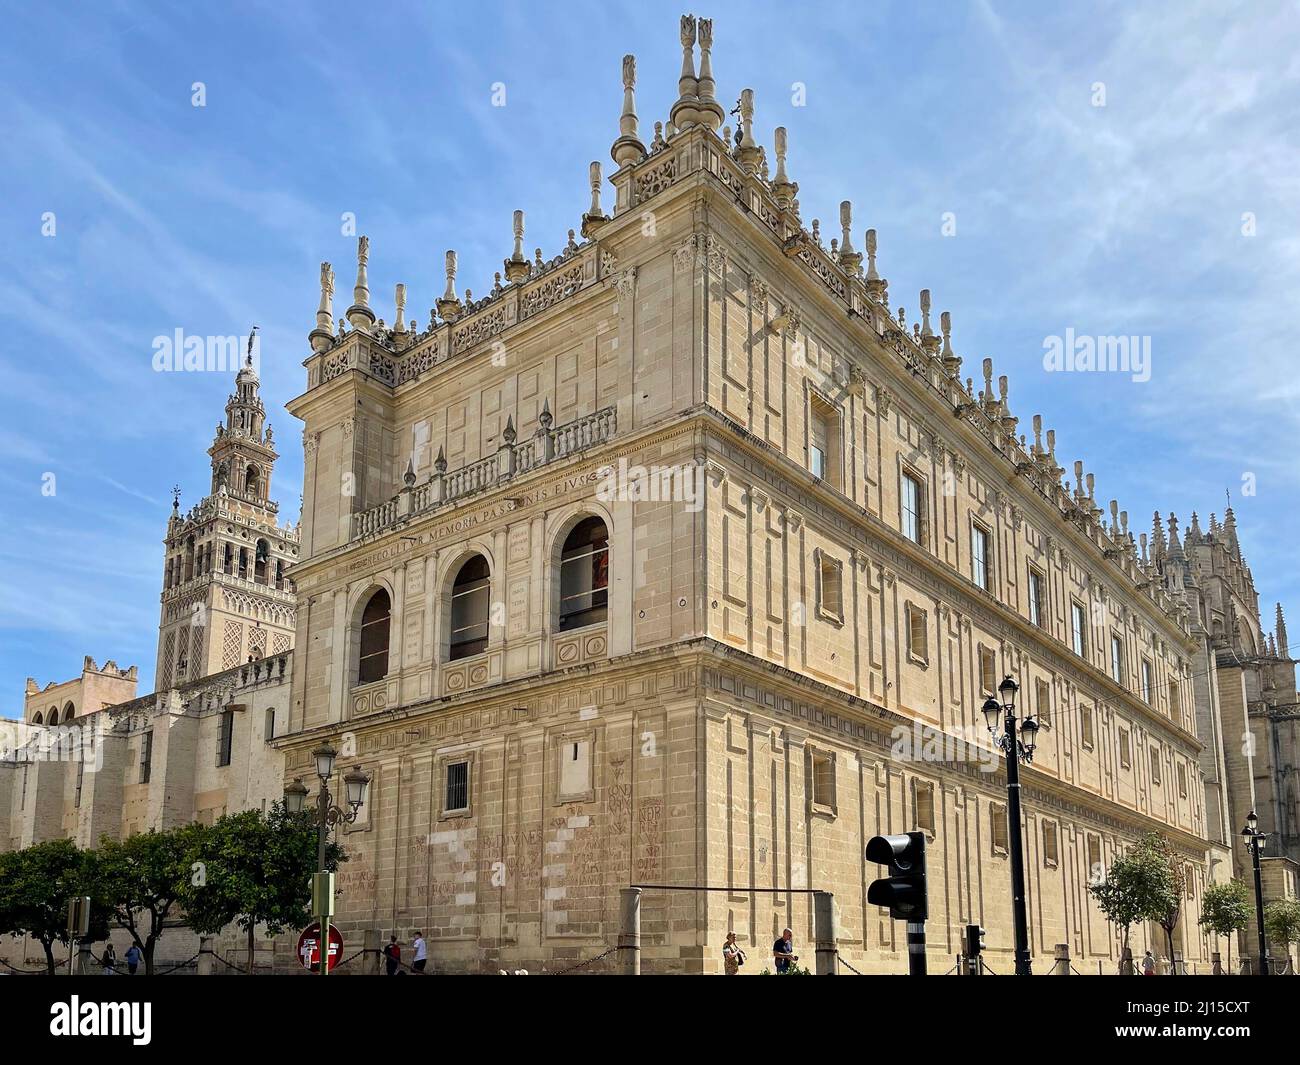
{"points": [[228, 559], [376, 619], [261, 556], [38, 720], [584, 575], [189, 558], [251, 481], [279, 573], [67, 712], [243, 563], [469, 609]]}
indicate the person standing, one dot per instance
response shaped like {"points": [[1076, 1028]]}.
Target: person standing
{"points": [[732, 956], [1149, 964], [783, 951], [110, 959], [421, 952], [132, 959], [392, 956]]}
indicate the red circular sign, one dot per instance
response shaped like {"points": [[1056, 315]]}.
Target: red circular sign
{"points": [[309, 947]]}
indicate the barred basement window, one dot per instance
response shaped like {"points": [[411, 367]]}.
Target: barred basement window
{"points": [[225, 737], [1050, 843], [456, 795], [146, 757]]}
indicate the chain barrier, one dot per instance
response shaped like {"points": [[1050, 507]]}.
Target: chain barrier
{"points": [[582, 964], [25, 972], [846, 965]]}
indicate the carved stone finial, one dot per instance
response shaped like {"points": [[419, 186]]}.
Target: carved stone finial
{"points": [[517, 267], [323, 335], [440, 463], [685, 113], [710, 112], [408, 478], [399, 326], [951, 360], [359, 314], [628, 149], [544, 419], [877, 286], [595, 216], [850, 259], [449, 306], [782, 187], [748, 152]]}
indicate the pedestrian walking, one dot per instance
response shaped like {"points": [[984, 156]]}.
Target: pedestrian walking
{"points": [[783, 951], [421, 958], [392, 957], [132, 959], [110, 959], [1149, 964], [732, 956]]}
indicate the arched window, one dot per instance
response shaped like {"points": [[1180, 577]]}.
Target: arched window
{"points": [[189, 558], [375, 621], [469, 609], [38, 720], [584, 575], [261, 556], [243, 563], [228, 559], [250, 481], [67, 712]]}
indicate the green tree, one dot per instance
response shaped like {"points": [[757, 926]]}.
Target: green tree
{"points": [[142, 880], [253, 868], [35, 886], [1282, 923], [1167, 904], [1225, 910], [1137, 887]]}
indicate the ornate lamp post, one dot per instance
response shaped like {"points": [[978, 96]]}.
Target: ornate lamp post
{"points": [[1255, 840], [1017, 750], [325, 817]]}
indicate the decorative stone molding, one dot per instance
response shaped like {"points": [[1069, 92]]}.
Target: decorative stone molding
{"points": [[625, 283], [884, 399], [684, 255], [349, 424]]}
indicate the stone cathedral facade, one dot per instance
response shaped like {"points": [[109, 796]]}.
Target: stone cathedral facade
{"points": [[681, 559]]}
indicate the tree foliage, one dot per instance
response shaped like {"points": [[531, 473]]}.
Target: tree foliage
{"points": [[1282, 922], [1226, 910], [1142, 884], [35, 886]]}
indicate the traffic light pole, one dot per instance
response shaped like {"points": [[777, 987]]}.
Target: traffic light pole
{"points": [[1023, 967], [916, 948]]}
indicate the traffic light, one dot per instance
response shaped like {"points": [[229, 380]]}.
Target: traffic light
{"points": [[974, 946], [904, 890]]}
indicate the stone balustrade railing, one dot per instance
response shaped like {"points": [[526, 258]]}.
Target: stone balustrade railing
{"points": [[512, 459]]}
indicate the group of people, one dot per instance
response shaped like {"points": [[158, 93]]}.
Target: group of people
{"points": [[783, 955], [393, 955], [132, 959]]}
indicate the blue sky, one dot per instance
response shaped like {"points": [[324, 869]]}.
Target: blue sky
{"points": [[1123, 219]]}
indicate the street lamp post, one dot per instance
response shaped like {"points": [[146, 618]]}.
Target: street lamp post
{"points": [[1255, 840], [1017, 750], [325, 817]]}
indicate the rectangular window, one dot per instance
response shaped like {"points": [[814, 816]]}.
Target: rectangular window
{"points": [[1085, 722], [1182, 781], [81, 773], [824, 442], [1035, 598], [911, 507], [1043, 702], [998, 827], [575, 770], [1078, 628], [146, 757], [1049, 843], [830, 598], [270, 723], [456, 795], [1175, 703], [225, 736], [823, 767], [1125, 749], [1116, 659], [1155, 764], [918, 633], [1148, 689], [1096, 874], [979, 556], [988, 671], [923, 801]]}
